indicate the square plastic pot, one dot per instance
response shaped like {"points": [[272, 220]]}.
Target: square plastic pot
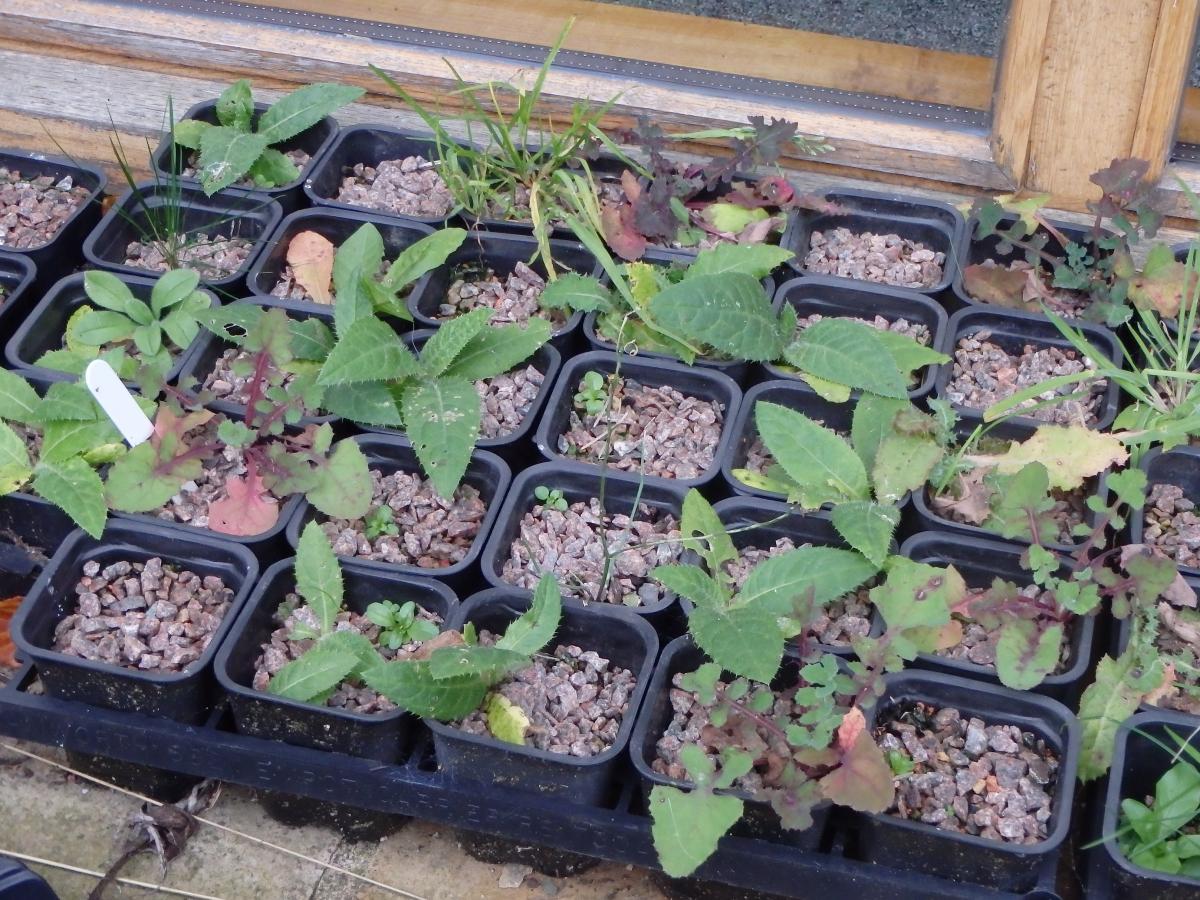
{"points": [[625, 640], [382, 736], [1120, 641], [367, 145], [887, 840], [230, 213], [1143, 753], [1179, 466], [703, 384], [1012, 330], [758, 820], [335, 225], [833, 298], [501, 253], [487, 473], [578, 483], [979, 561], [17, 295], [60, 255], [314, 141], [939, 226], [44, 327], [183, 696]]}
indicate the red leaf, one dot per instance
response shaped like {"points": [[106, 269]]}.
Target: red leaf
{"points": [[853, 724], [863, 779], [246, 509], [620, 231], [166, 422]]}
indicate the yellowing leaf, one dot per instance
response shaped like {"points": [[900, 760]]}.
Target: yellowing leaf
{"points": [[311, 257], [1070, 453], [506, 721]]}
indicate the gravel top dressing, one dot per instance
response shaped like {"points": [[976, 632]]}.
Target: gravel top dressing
{"points": [[191, 505], [32, 210], [575, 700], [226, 384], [978, 645], [1172, 524], [514, 299], [212, 257], [146, 616], [655, 430], [430, 532], [880, 258], [298, 158], [350, 695], [967, 776], [568, 544], [405, 187], [985, 373], [506, 400]]}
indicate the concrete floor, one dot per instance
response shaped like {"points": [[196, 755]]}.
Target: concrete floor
{"points": [[49, 814]]}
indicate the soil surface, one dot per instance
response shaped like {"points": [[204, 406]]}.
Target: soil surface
{"points": [[190, 506], [575, 701], [350, 695], [993, 781], [32, 210], [880, 258], [569, 545], [1172, 524], [143, 615], [513, 298], [213, 257], [506, 400], [655, 430], [1178, 640], [1068, 304], [433, 533], [299, 159], [978, 645], [225, 384], [985, 373], [406, 187]]}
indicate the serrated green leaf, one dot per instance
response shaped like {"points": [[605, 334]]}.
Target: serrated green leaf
{"points": [[745, 640], [850, 353], [874, 419], [822, 464], [441, 418], [499, 349], [506, 721], [423, 256], [64, 439], [686, 827], [188, 132], [235, 106], [312, 674], [776, 583], [370, 403], [756, 260], [15, 467], [302, 109], [691, 582], [447, 342], [489, 664], [409, 684], [67, 402], [575, 292], [534, 628], [902, 464], [369, 350], [703, 532], [909, 354], [226, 155], [318, 576], [312, 339], [19, 402], [827, 390], [273, 169], [730, 313], [867, 527], [106, 289], [917, 595], [75, 488], [342, 485], [357, 259]]}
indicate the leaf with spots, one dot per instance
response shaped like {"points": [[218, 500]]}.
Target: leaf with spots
{"points": [[442, 420]]}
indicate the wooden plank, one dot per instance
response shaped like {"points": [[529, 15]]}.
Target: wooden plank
{"points": [[1166, 79], [1189, 117], [1017, 84], [736, 48]]}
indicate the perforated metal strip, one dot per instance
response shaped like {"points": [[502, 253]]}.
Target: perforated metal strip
{"points": [[716, 82]]}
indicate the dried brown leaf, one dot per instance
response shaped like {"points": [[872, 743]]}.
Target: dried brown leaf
{"points": [[311, 257]]}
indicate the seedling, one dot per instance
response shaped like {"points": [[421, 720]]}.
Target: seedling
{"points": [[1162, 835], [399, 623], [550, 498], [592, 395], [380, 521], [238, 146]]}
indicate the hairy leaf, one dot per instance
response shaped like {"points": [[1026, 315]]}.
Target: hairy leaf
{"points": [[691, 582], [756, 260], [19, 402], [686, 826], [874, 419], [497, 350], [490, 664], [312, 674], [342, 485], [369, 350], [442, 420], [821, 463], [867, 527], [422, 256], [730, 313], [576, 292], [188, 132], [825, 572], [357, 261], [75, 488], [533, 629], [226, 155], [902, 464], [849, 353], [444, 345], [703, 533], [273, 169], [15, 467], [369, 403], [235, 106], [410, 685], [745, 640], [909, 354], [1108, 701], [302, 109]]}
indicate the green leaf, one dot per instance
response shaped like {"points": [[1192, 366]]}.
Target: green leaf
{"points": [[1114, 696], [318, 576], [312, 339], [369, 350], [273, 169], [342, 487], [99, 327], [181, 328], [15, 467], [302, 109], [821, 463], [75, 488], [693, 583], [730, 313], [863, 778], [188, 133], [867, 527], [64, 439], [368, 404], [874, 419], [409, 684], [489, 664], [533, 629], [134, 483], [828, 390], [686, 827], [317, 671], [423, 256], [19, 402], [173, 287], [909, 354], [576, 292], [902, 464], [703, 532], [442, 420], [147, 339], [66, 401], [824, 572], [1021, 501], [447, 342], [496, 350], [226, 155], [756, 260], [506, 721], [355, 643], [744, 640], [357, 259], [849, 353], [917, 595], [106, 289], [235, 106], [1025, 655]]}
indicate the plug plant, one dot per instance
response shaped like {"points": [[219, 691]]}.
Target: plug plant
{"points": [[1162, 834], [238, 146], [399, 623], [380, 521], [592, 395], [550, 498]]}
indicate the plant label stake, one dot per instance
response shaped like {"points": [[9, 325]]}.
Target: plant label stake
{"points": [[118, 404]]}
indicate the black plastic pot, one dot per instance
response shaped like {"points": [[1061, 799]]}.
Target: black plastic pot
{"points": [[384, 736], [314, 141], [368, 145], [336, 225], [578, 483], [792, 394], [60, 255], [17, 296], [1179, 466], [1012, 330], [625, 640], [40, 524], [18, 883], [1120, 641], [834, 297], [887, 840], [486, 472], [979, 561], [1144, 751], [183, 696], [758, 819], [701, 383], [501, 253], [939, 226], [44, 327], [354, 823], [231, 213]]}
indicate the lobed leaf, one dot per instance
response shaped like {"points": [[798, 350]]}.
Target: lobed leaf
{"points": [[575, 292]]}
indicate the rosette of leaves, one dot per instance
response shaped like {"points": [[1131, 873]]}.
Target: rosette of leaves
{"points": [[239, 146], [371, 377], [138, 339], [356, 267], [1161, 835], [825, 751], [76, 437]]}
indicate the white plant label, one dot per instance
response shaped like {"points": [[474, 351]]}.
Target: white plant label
{"points": [[118, 404]]}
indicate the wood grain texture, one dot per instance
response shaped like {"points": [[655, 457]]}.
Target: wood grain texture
{"points": [[1017, 80], [1166, 80]]}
